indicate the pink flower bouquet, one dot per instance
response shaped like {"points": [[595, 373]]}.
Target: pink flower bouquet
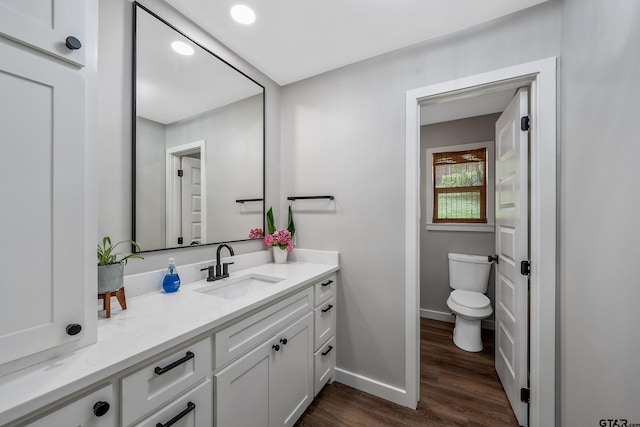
{"points": [[282, 238]]}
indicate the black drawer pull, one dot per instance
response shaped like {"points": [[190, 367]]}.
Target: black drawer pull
{"points": [[327, 283], [160, 371], [329, 307], [190, 407], [324, 353]]}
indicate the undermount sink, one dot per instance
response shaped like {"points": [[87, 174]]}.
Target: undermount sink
{"points": [[239, 287]]}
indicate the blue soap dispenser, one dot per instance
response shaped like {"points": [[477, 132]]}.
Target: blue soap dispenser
{"points": [[171, 281]]}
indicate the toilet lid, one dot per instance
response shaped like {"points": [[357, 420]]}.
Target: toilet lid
{"points": [[470, 299]]}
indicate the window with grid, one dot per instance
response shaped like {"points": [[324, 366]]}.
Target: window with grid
{"points": [[460, 186]]}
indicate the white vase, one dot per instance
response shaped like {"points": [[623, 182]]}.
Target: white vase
{"points": [[279, 255]]}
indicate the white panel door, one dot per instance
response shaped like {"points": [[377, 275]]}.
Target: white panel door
{"points": [[45, 25], [191, 201], [291, 385], [242, 390], [512, 246], [42, 210]]}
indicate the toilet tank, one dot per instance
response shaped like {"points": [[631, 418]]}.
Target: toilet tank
{"points": [[469, 272]]}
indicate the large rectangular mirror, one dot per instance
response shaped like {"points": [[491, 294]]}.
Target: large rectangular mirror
{"points": [[198, 142]]}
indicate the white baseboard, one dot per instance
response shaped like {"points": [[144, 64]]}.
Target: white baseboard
{"points": [[448, 317], [371, 386]]}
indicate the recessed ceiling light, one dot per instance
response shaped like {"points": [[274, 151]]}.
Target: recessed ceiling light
{"points": [[243, 14], [182, 48]]}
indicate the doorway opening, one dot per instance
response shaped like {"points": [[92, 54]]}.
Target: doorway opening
{"points": [[540, 76], [186, 195]]}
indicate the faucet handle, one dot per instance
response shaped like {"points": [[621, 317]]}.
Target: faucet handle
{"points": [[210, 273], [225, 268]]}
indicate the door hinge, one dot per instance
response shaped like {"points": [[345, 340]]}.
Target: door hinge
{"points": [[525, 268], [180, 241], [524, 123], [493, 258], [525, 395], [180, 172]]}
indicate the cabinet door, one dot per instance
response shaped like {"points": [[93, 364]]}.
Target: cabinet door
{"points": [[45, 25], [291, 382], [242, 390], [89, 411], [42, 210]]}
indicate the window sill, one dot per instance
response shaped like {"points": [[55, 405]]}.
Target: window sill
{"points": [[481, 228]]}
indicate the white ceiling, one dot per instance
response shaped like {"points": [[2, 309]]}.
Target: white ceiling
{"points": [[295, 39], [487, 103], [172, 87]]}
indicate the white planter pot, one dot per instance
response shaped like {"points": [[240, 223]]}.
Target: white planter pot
{"points": [[279, 255]]}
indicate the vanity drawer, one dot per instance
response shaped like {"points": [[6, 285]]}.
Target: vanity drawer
{"points": [[325, 289], [324, 364], [84, 411], [325, 322], [194, 409], [242, 336], [162, 380]]}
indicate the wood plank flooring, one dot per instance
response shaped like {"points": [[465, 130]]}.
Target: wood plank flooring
{"points": [[457, 388]]}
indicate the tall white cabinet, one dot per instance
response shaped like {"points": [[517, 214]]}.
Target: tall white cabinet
{"points": [[43, 212]]}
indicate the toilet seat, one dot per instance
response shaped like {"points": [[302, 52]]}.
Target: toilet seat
{"points": [[471, 305], [468, 299]]}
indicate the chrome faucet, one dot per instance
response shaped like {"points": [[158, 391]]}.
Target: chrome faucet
{"points": [[218, 271]]}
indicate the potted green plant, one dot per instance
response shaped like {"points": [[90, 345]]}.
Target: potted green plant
{"points": [[111, 264]]}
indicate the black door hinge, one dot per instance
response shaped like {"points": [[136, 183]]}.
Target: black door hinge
{"points": [[180, 172], [524, 123], [180, 241], [525, 395], [525, 268]]}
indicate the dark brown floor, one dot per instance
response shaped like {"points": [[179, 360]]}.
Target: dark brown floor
{"points": [[457, 388]]}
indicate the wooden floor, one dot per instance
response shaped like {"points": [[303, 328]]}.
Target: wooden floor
{"points": [[457, 388]]}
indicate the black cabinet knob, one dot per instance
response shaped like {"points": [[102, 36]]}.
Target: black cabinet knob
{"points": [[72, 43], [284, 341], [73, 329], [101, 408], [276, 347]]}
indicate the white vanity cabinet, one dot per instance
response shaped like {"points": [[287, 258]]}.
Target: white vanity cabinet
{"points": [[158, 385], [324, 331], [43, 218], [93, 410], [255, 365], [271, 385]]}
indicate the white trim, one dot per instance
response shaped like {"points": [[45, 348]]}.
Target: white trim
{"points": [[450, 318], [489, 194], [172, 189], [480, 228], [541, 75], [371, 386]]}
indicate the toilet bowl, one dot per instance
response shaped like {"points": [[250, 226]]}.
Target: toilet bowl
{"points": [[469, 279]]}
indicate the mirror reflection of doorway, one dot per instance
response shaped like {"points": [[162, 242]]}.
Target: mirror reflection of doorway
{"points": [[186, 204]]}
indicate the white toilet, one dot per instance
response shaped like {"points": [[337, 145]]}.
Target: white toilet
{"points": [[469, 279]]}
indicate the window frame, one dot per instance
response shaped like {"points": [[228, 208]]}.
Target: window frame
{"points": [[489, 226]]}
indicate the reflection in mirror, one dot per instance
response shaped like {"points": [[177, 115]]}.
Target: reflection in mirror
{"points": [[198, 142]]}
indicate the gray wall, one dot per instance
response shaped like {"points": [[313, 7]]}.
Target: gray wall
{"points": [[599, 210], [150, 189], [435, 245], [343, 133], [114, 127], [233, 147]]}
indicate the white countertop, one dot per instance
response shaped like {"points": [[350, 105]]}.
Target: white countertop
{"points": [[151, 324]]}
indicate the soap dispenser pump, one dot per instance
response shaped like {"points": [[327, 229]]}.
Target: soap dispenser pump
{"points": [[171, 281]]}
